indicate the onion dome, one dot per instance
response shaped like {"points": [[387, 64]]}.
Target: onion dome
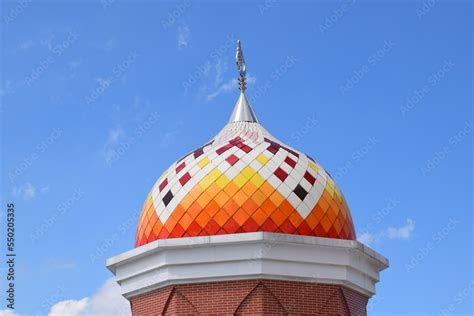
{"points": [[244, 180]]}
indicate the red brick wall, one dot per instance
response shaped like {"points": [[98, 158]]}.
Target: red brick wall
{"points": [[251, 297]]}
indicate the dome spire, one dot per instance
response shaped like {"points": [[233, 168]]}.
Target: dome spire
{"points": [[243, 112], [240, 62]]}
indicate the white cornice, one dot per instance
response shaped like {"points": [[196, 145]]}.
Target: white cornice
{"points": [[247, 256]]}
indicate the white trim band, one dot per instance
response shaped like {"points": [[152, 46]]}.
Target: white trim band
{"points": [[247, 256]]}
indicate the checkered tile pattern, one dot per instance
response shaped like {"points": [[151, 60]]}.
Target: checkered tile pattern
{"points": [[244, 180]]}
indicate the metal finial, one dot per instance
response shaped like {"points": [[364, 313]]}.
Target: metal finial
{"points": [[240, 62], [243, 112]]}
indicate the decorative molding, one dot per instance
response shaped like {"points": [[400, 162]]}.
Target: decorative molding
{"points": [[247, 256]]}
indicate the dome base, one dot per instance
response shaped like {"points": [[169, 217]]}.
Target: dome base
{"points": [[248, 256]]}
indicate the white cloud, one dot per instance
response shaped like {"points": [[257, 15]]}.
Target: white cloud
{"points": [[183, 36], [58, 264], [226, 86], [113, 138], [211, 79], [168, 138], [220, 67], [26, 45], [402, 232], [366, 238], [74, 64], [114, 135], [69, 308], [109, 44], [26, 191], [45, 189], [8, 312], [230, 85], [251, 80], [6, 88], [106, 302], [73, 67]]}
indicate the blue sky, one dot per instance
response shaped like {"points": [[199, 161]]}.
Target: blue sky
{"points": [[99, 97]]}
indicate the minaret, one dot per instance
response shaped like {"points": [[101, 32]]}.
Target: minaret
{"points": [[246, 225]]}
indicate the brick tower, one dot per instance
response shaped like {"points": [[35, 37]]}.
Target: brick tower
{"points": [[246, 225]]}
